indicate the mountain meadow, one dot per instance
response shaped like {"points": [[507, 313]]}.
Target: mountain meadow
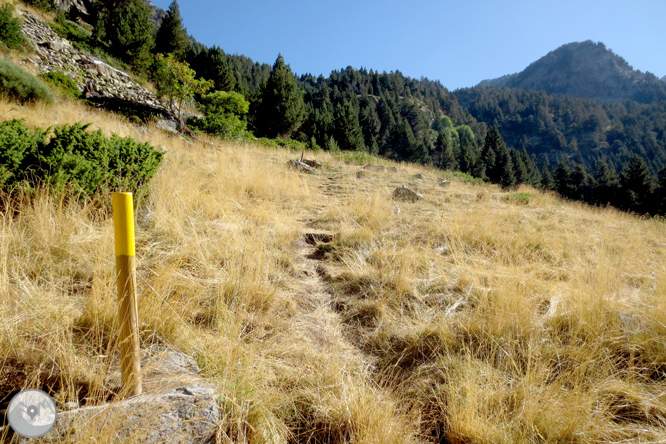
{"points": [[515, 294]]}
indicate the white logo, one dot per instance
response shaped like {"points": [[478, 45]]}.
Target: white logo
{"points": [[32, 413]]}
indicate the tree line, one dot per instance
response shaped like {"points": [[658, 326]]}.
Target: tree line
{"points": [[552, 142]]}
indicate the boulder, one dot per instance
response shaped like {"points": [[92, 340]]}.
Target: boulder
{"points": [[405, 194], [420, 176], [177, 406], [313, 163], [393, 169], [362, 173], [300, 166], [168, 125], [444, 183], [377, 168]]}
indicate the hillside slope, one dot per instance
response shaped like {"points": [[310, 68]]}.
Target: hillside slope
{"points": [[325, 311], [588, 70]]}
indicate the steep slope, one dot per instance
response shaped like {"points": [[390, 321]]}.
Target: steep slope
{"points": [[588, 70], [663, 79]]}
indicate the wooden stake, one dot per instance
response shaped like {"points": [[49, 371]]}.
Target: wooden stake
{"points": [[128, 312]]}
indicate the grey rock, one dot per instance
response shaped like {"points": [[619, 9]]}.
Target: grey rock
{"points": [[177, 406], [393, 169], [405, 194], [444, 183], [71, 405], [300, 166], [168, 125], [362, 173], [496, 196], [420, 176], [313, 163], [188, 414], [376, 168]]}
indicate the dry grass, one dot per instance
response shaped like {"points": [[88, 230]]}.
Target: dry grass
{"points": [[460, 318]]}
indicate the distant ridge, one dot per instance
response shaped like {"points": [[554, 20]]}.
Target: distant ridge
{"points": [[586, 69], [663, 79]]}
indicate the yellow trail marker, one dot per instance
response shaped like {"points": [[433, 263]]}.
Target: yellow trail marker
{"points": [[128, 312]]}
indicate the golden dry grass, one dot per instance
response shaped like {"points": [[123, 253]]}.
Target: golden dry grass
{"points": [[461, 317]]}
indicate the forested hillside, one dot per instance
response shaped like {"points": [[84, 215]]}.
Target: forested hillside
{"points": [[575, 146]]}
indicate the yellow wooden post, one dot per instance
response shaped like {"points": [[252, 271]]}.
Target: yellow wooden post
{"points": [[128, 312]]}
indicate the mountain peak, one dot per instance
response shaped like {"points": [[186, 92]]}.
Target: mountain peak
{"points": [[585, 69]]}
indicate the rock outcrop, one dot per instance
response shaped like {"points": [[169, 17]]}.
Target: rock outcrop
{"points": [[98, 81], [300, 166], [177, 406], [405, 194]]}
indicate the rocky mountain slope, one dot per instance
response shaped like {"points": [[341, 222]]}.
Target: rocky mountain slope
{"points": [[585, 69]]}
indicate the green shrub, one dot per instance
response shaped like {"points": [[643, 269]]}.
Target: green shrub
{"points": [[10, 27], [463, 177], [16, 142], [282, 143], [87, 161], [61, 83], [20, 85], [519, 198]]}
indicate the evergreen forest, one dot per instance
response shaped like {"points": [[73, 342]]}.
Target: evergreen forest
{"points": [[603, 153]]}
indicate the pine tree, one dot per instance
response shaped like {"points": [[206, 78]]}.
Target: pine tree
{"points": [[605, 191], [637, 186], [369, 120], [660, 192], [582, 184], [171, 36], [519, 168], [281, 110], [547, 181], [128, 29], [494, 155], [444, 157], [504, 165], [562, 180], [347, 131]]}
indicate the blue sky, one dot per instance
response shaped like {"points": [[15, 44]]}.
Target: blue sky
{"points": [[458, 43]]}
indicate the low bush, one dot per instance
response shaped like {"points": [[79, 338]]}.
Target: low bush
{"points": [[282, 143], [86, 161], [10, 27], [519, 198], [62, 83], [20, 85]]}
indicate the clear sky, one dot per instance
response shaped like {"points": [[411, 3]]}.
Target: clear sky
{"points": [[458, 42]]}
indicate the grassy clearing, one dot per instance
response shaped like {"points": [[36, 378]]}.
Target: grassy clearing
{"points": [[461, 317]]}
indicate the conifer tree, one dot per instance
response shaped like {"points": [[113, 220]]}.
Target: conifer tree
{"points": [[660, 192], [494, 148], [519, 169], [369, 120], [504, 165], [605, 191], [562, 180], [582, 184], [547, 181], [171, 36], [128, 29], [637, 185], [281, 110], [444, 157], [347, 131]]}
